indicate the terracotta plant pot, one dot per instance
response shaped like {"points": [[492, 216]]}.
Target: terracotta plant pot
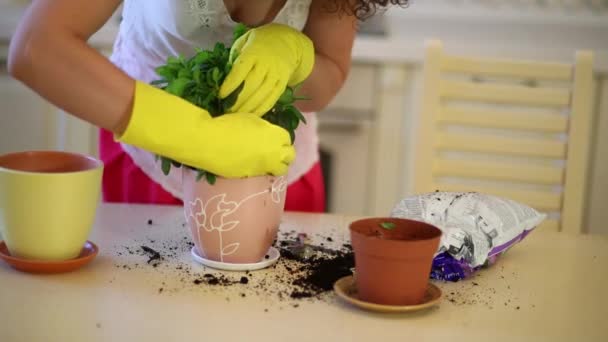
{"points": [[393, 266], [234, 220]]}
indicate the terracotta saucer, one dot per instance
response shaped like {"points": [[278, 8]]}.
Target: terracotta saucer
{"points": [[89, 251], [345, 288]]}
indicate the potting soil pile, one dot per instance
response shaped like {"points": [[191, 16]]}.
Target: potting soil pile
{"points": [[477, 228], [307, 270]]}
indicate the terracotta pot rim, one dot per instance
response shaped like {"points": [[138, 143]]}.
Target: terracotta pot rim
{"points": [[92, 164], [434, 232], [401, 242]]}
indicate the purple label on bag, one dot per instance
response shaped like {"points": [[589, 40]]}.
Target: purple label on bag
{"points": [[445, 267]]}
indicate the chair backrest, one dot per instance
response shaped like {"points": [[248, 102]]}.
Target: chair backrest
{"points": [[516, 129]]}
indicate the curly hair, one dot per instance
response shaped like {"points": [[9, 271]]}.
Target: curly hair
{"points": [[364, 9]]}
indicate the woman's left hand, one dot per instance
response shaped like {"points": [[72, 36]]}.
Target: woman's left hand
{"points": [[268, 59]]}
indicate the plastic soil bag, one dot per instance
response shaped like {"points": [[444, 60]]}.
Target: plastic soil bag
{"points": [[477, 228]]}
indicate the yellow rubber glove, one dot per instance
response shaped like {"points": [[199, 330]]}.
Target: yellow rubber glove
{"points": [[231, 145], [269, 58]]}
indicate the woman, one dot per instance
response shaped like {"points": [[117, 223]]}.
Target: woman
{"points": [[291, 41]]}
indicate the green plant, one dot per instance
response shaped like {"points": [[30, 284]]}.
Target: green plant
{"points": [[198, 80], [387, 225]]}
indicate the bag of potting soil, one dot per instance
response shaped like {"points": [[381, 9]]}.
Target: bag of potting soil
{"points": [[477, 228]]}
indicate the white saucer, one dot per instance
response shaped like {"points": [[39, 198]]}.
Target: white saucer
{"points": [[273, 256]]}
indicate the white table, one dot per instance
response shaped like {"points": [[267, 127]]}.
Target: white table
{"points": [[550, 287]]}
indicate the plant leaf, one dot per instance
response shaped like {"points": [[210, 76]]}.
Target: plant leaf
{"points": [[196, 74], [209, 78], [286, 98], [239, 30], [293, 115], [300, 115], [178, 86], [191, 99], [219, 48], [294, 122], [165, 165], [387, 225], [184, 73], [173, 60], [215, 74], [202, 57], [299, 98], [292, 135], [166, 72], [210, 178], [207, 103]]}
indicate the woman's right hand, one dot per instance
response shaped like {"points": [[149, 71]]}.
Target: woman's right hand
{"points": [[232, 145], [245, 145]]}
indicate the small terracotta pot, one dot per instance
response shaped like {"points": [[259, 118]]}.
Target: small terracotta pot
{"points": [[393, 267], [234, 220]]}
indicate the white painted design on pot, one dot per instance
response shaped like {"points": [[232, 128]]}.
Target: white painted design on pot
{"points": [[210, 215]]}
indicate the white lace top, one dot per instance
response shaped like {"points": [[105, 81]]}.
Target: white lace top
{"points": [[153, 30]]}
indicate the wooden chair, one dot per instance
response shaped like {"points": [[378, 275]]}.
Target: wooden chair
{"points": [[516, 129]]}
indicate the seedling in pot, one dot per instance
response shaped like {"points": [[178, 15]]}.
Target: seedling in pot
{"points": [[387, 225], [384, 227]]}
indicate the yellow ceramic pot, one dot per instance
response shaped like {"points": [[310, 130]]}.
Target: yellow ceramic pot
{"points": [[48, 201]]}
